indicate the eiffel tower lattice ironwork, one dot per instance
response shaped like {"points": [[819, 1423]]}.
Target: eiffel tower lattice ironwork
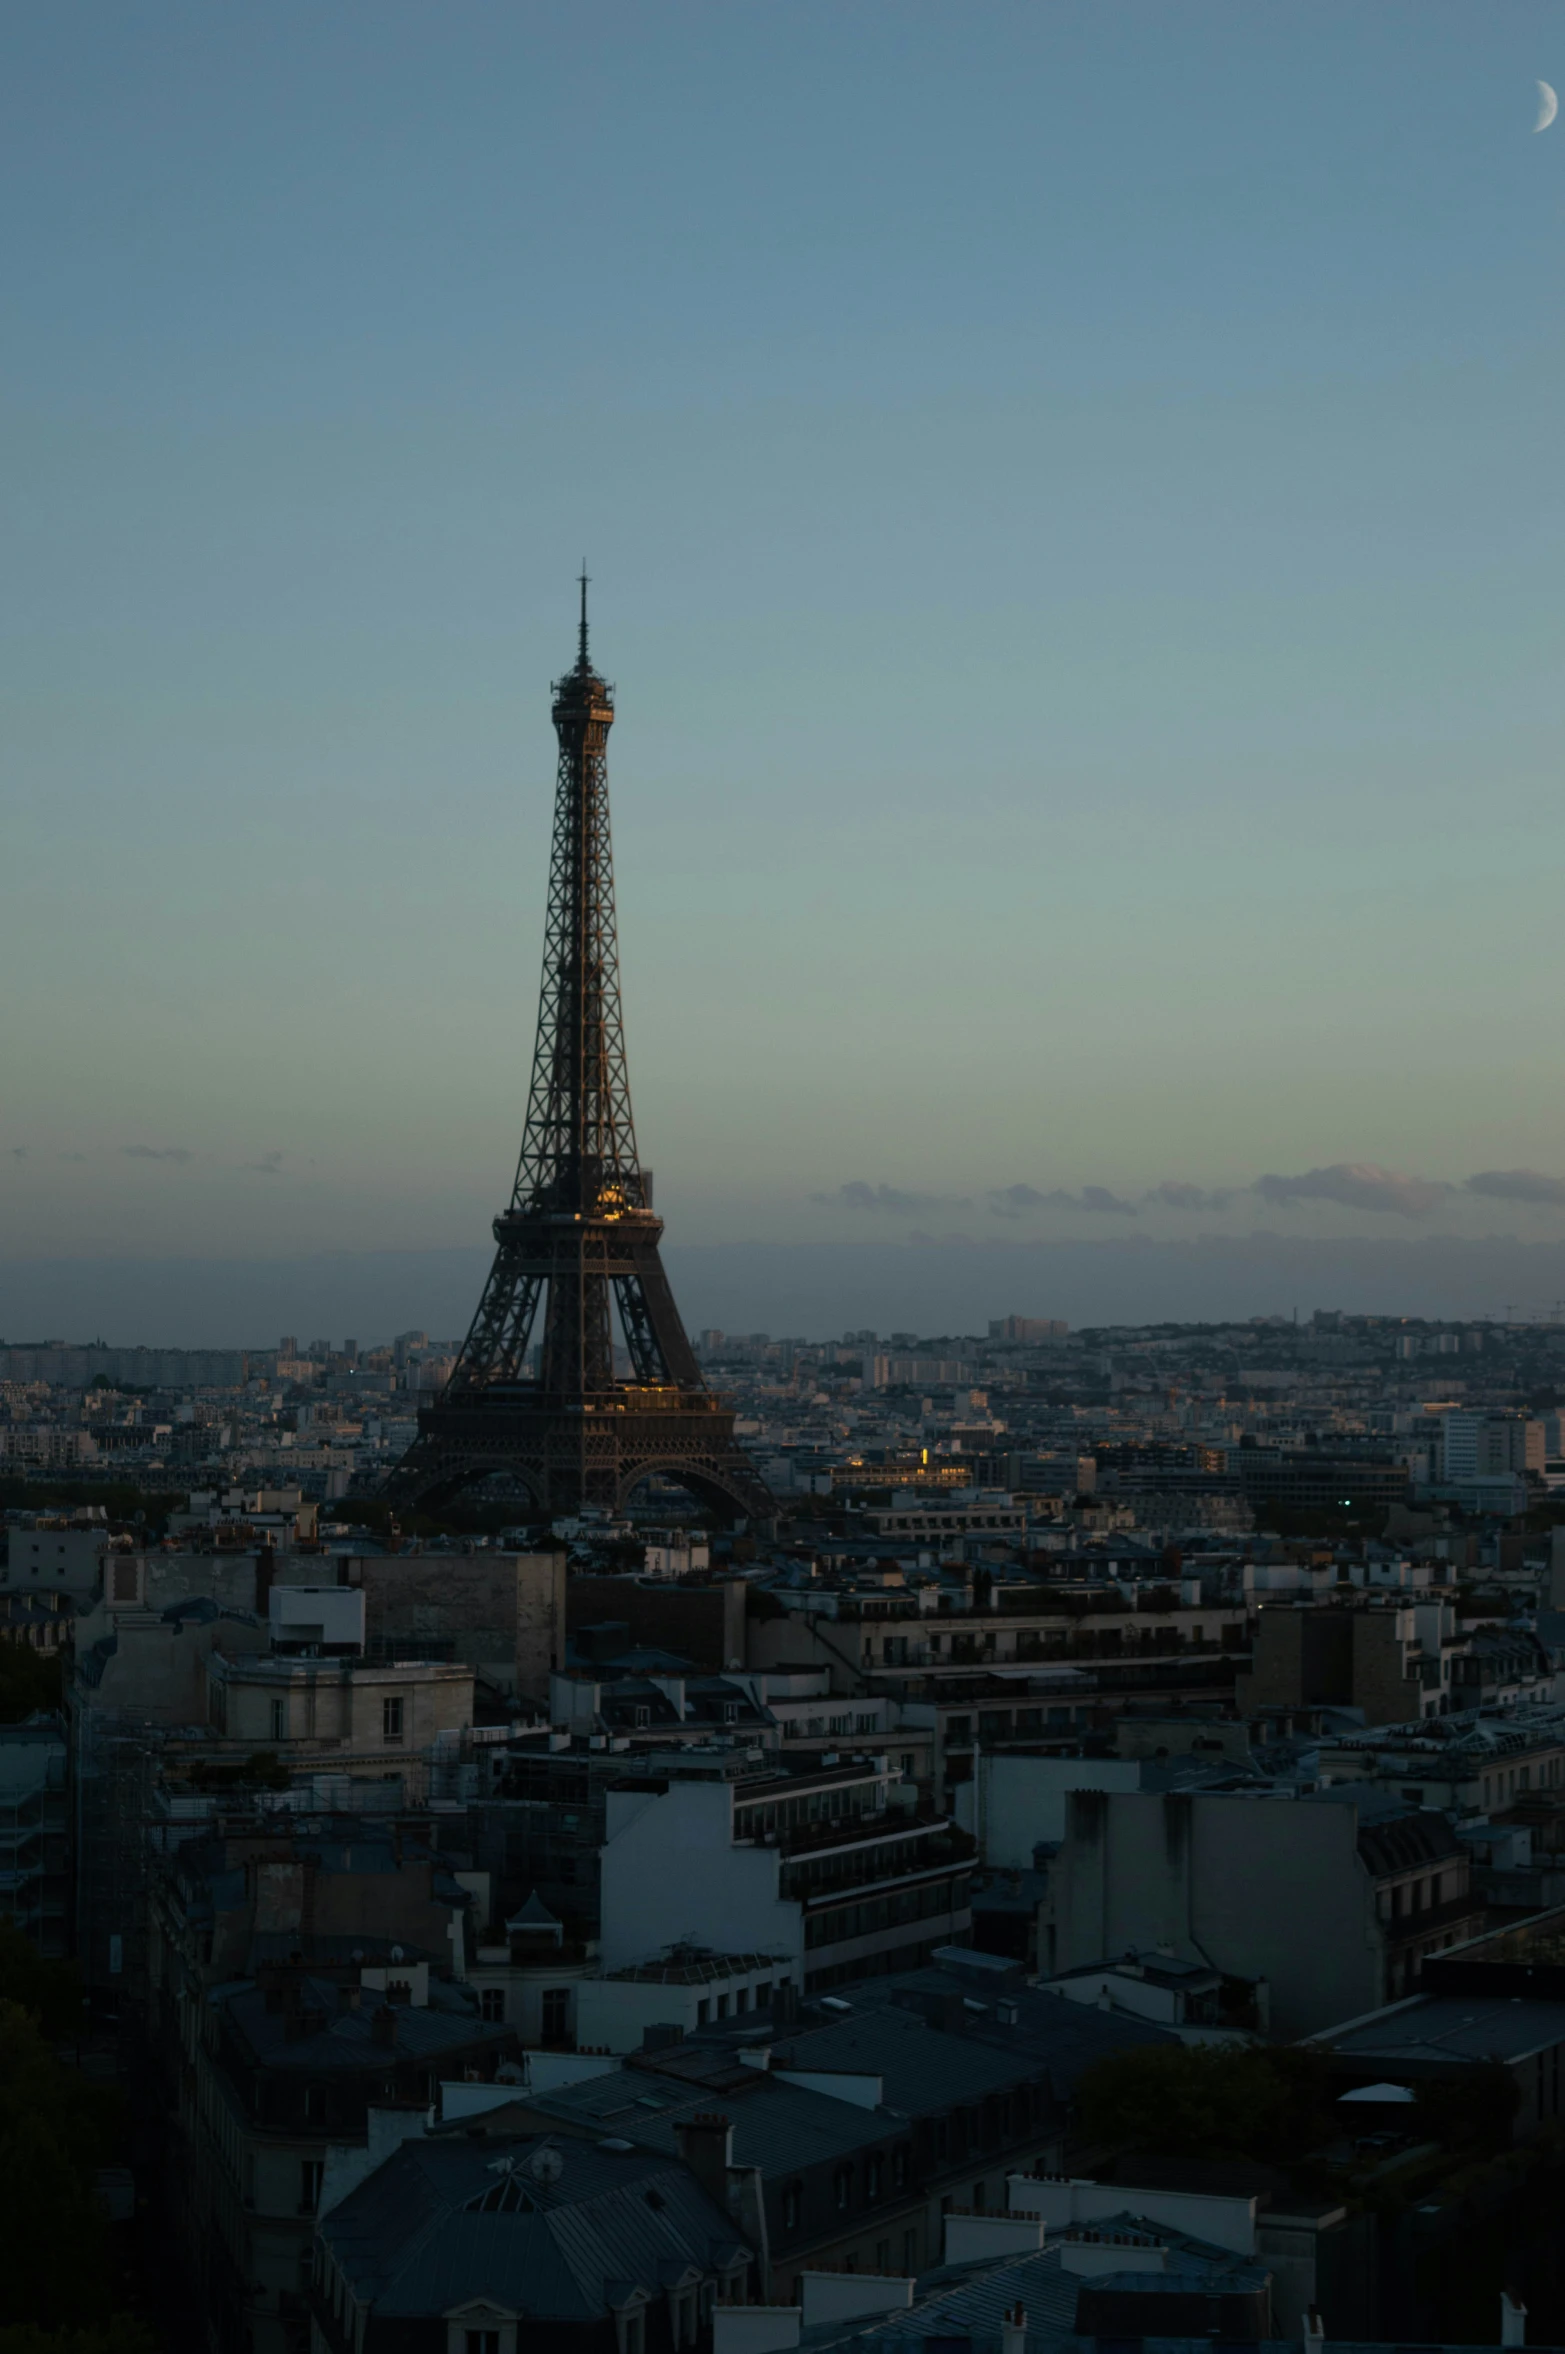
{"points": [[580, 1237]]}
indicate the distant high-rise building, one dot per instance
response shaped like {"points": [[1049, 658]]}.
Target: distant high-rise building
{"points": [[1027, 1331]]}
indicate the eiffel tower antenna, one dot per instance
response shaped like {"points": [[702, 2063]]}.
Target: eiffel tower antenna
{"points": [[579, 1239]]}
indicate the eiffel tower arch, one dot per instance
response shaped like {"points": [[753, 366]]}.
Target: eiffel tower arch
{"points": [[579, 1238]]}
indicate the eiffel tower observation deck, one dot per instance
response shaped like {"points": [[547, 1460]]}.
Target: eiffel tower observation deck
{"points": [[580, 1239]]}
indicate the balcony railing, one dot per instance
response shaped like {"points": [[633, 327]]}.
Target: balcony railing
{"points": [[828, 1877], [845, 1831]]}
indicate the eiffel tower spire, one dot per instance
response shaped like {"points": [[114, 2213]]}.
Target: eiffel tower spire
{"points": [[579, 1239]]}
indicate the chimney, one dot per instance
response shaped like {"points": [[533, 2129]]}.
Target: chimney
{"points": [[1013, 2330], [1513, 2320], [383, 2024], [706, 2145]]}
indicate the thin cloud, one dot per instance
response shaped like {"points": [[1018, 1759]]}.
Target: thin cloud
{"points": [[178, 1153], [1358, 1185], [1349, 1185], [890, 1200], [270, 1164], [1174, 1194], [1019, 1201], [1517, 1185], [18, 1152]]}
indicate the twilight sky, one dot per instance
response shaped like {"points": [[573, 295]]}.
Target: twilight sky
{"points": [[1074, 498]]}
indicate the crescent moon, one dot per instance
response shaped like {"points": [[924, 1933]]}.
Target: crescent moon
{"points": [[1548, 107]]}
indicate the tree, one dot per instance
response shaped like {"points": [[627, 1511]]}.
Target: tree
{"points": [[1186, 2101], [1470, 2108], [50, 1991], [29, 1681], [56, 2129]]}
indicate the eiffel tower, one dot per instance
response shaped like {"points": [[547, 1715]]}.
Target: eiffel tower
{"points": [[580, 1232]]}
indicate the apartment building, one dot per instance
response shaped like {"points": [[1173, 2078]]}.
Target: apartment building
{"points": [[1331, 1901], [300, 1976], [835, 1869]]}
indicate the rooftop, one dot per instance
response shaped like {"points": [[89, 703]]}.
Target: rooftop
{"points": [[1430, 2031], [561, 2228]]}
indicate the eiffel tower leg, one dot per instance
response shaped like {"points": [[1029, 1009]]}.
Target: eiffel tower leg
{"points": [[422, 1480]]}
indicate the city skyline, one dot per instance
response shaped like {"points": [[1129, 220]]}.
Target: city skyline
{"points": [[1077, 564]]}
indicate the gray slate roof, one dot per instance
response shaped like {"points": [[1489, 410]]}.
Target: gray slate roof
{"points": [[345, 2040], [779, 2127], [970, 2301], [923, 2069], [410, 2241], [1052, 2034], [1441, 2028]]}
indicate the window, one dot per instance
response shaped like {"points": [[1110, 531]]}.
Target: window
{"points": [[556, 2013], [309, 2185], [899, 2157], [391, 1719], [874, 2176], [730, 1712], [882, 2255], [632, 2334], [481, 2341], [842, 2189], [280, 1720], [792, 2206], [492, 2001], [910, 2251], [703, 2012]]}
